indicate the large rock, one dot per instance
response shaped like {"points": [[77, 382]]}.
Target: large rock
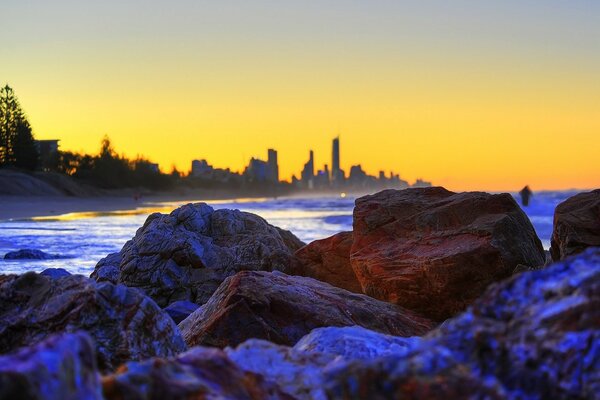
{"points": [[534, 336], [125, 324], [576, 225], [328, 260], [187, 254], [435, 251], [180, 310], [300, 370], [282, 309], [201, 373], [62, 367]]}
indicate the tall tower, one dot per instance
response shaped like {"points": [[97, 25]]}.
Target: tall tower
{"points": [[335, 160], [273, 168]]}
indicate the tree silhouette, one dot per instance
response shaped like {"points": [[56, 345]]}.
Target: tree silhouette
{"points": [[17, 146]]}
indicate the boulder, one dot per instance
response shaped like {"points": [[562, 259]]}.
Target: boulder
{"points": [[187, 254], [55, 273], [533, 336], [200, 373], [434, 251], [576, 225], [125, 324], [180, 310], [30, 254], [282, 309], [58, 368], [328, 260], [300, 370]]}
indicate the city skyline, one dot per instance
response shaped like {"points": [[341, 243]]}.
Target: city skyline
{"points": [[471, 95]]}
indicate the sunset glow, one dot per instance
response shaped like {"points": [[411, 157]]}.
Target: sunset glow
{"points": [[474, 96]]}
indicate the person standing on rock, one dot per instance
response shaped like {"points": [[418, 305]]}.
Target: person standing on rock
{"points": [[525, 193]]}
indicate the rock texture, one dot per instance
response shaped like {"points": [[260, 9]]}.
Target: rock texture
{"points": [[180, 310], [576, 225], [201, 373], [328, 260], [187, 254], [62, 367], [534, 336], [300, 370], [125, 324], [434, 251], [282, 309]]}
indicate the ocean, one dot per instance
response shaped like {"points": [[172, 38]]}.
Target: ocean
{"points": [[85, 238]]}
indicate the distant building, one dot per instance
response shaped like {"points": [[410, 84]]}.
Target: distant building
{"points": [[420, 183], [308, 172], [273, 167], [48, 153], [201, 168], [257, 170], [337, 175], [263, 171]]}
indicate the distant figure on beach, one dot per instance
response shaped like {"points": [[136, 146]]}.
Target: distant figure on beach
{"points": [[525, 193]]}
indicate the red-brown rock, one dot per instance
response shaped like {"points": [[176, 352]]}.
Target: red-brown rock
{"points": [[282, 309], [200, 373], [576, 225], [434, 251], [328, 260]]}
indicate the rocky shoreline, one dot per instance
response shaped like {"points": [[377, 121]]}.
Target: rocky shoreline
{"points": [[433, 294]]}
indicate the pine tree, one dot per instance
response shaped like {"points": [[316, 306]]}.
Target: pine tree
{"points": [[17, 145]]}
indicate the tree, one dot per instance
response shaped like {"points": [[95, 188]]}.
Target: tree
{"points": [[17, 146]]}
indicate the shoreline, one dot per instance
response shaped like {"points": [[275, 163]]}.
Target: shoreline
{"points": [[28, 207]]}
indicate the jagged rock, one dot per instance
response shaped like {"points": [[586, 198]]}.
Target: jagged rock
{"points": [[61, 367], [30, 254], [534, 336], [434, 251], [55, 273], [328, 260], [201, 373], [125, 324], [300, 370], [180, 310], [282, 309], [576, 225], [187, 254]]}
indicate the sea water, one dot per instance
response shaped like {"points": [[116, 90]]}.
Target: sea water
{"points": [[84, 238]]}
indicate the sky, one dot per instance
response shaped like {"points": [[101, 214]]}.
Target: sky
{"points": [[471, 95]]}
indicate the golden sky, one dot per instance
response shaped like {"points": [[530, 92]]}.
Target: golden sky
{"points": [[468, 94]]}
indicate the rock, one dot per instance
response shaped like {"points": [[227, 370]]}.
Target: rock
{"points": [[300, 370], [576, 225], [201, 373], [434, 251], [125, 324], [533, 336], [180, 310], [30, 254], [187, 254], [55, 273], [328, 260], [60, 367], [282, 309]]}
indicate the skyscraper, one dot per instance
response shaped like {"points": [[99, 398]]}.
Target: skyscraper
{"points": [[273, 168], [337, 175]]}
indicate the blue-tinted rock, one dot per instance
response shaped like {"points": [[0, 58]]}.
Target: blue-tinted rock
{"points": [[30, 254], [180, 310], [124, 323], [58, 368], [187, 254], [55, 273], [533, 336]]}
